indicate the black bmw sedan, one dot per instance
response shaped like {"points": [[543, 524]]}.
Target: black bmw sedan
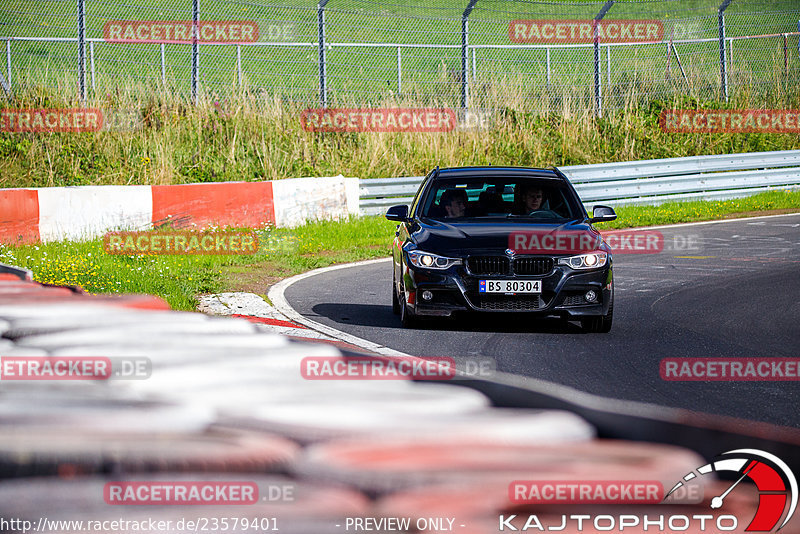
{"points": [[499, 240]]}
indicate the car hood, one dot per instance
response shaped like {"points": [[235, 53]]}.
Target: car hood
{"points": [[460, 239]]}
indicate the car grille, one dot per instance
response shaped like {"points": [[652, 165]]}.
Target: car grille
{"points": [[533, 266], [488, 265], [574, 300], [509, 303], [501, 265]]}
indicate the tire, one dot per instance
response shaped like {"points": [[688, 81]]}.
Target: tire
{"points": [[407, 318], [600, 324], [395, 300]]}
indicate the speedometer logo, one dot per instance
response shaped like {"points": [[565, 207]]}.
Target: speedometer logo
{"points": [[776, 484]]}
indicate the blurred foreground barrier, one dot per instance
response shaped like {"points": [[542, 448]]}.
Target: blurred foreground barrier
{"points": [[193, 400], [638, 182]]}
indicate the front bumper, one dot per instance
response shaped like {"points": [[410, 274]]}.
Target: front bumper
{"points": [[456, 289]]}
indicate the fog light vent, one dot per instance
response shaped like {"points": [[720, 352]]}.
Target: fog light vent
{"points": [[590, 296], [427, 295]]}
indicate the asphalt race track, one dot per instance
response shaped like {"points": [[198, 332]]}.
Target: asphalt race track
{"points": [[727, 289]]}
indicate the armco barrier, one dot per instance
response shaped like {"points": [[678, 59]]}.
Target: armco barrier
{"points": [[639, 182], [84, 212]]}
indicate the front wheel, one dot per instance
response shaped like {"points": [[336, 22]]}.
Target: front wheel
{"points": [[407, 318], [602, 323], [395, 300]]}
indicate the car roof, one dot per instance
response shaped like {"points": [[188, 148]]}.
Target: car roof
{"points": [[499, 172]]}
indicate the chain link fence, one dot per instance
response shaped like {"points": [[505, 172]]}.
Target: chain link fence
{"points": [[548, 55]]}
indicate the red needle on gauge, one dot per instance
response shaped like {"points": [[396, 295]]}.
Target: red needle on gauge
{"points": [[716, 502]]}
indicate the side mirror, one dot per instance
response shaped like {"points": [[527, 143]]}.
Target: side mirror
{"points": [[397, 213], [602, 214]]}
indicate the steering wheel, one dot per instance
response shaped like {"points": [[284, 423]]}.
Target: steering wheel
{"points": [[543, 214]]}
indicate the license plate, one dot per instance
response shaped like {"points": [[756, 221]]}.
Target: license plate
{"points": [[510, 286]]}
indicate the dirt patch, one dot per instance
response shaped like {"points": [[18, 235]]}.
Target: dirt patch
{"points": [[761, 213], [339, 253], [254, 278]]}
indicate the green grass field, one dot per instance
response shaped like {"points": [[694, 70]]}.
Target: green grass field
{"points": [[359, 75]]}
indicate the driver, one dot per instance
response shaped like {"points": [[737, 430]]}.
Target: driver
{"points": [[531, 198], [454, 202]]}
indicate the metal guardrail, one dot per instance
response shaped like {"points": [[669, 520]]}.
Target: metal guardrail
{"points": [[638, 182]]}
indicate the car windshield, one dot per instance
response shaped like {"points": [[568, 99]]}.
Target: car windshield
{"points": [[508, 198]]}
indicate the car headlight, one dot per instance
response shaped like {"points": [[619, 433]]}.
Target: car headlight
{"points": [[426, 260], [592, 260]]}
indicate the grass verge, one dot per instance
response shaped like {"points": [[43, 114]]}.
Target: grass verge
{"points": [[286, 252], [253, 137]]}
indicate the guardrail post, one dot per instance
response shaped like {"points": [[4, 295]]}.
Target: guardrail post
{"points": [[598, 90], [195, 48], [723, 72], [464, 45], [323, 87], [82, 48]]}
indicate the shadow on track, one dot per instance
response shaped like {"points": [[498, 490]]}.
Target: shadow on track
{"points": [[372, 315]]}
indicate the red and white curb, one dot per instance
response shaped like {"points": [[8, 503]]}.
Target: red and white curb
{"points": [[268, 318], [256, 310], [276, 296]]}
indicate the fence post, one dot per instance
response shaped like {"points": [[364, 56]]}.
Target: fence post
{"points": [[474, 64], [323, 83], [163, 67], [785, 55], [7, 83], [723, 72], [91, 64], [399, 73], [608, 66], [8, 62], [464, 45], [548, 66], [239, 64], [195, 48], [82, 48], [598, 91]]}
